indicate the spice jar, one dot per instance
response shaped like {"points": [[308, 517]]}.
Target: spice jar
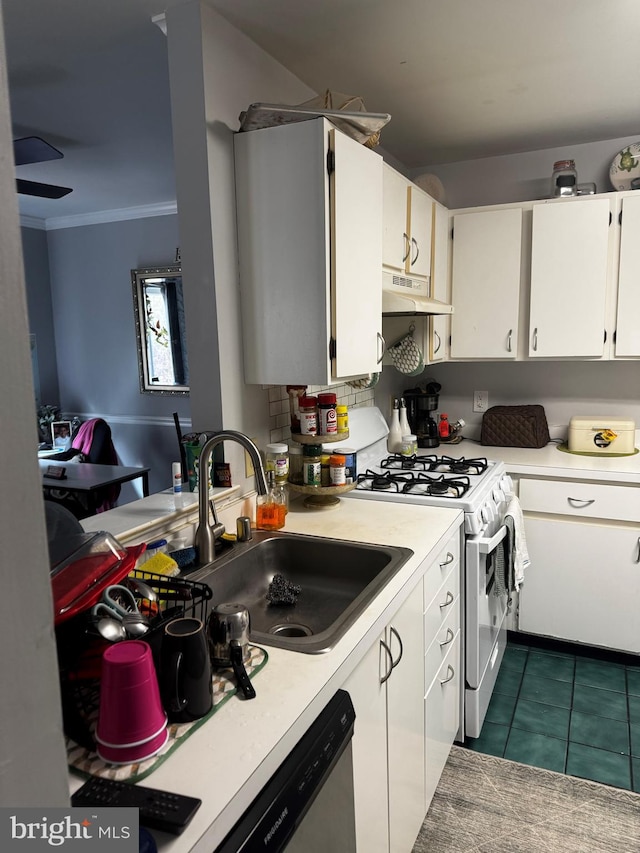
{"points": [[311, 464], [409, 445], [277, 460], [308, 415], [295, 464], [338, 470], [325, 476], [342, 413], [327, 415]]}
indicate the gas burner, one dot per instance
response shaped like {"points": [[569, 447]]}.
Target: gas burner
{"points": [[462, 465], [444, 487], [420, 463], [373, 482]]}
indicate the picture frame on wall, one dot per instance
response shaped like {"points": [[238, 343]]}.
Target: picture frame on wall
{"points": [[61, 435]]}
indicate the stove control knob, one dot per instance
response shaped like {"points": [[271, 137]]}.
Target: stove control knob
{"points": [[506, 484], [498, 495]]}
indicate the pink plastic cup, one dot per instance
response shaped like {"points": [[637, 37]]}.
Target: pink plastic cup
{"points": [[131, 754], [130, 712]]}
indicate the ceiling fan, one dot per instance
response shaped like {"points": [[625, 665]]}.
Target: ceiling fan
{"points": [[33, 149]]}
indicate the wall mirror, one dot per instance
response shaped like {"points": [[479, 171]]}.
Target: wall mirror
{"points": [[160, 330]]}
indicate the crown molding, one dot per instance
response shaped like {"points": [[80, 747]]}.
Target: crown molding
{"points": [[163, 208]]}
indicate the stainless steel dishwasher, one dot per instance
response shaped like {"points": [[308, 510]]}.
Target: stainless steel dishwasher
{"points": [[307, 806]]}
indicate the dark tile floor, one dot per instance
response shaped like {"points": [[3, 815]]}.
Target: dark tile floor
{"points": [[567, 712]]}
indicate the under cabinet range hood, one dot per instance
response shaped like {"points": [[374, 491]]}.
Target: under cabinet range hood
{"points": [[402, 294]]}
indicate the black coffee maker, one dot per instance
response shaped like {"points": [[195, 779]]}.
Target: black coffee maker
{"points": [[420, 403]]}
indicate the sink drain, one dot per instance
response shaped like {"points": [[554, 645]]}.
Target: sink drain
{"points": [[291, 629]]}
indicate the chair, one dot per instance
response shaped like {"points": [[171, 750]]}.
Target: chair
{"points": [[91, 443]]}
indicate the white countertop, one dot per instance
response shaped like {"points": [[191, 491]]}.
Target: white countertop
{"points": [[548, 461], [229, 759]]}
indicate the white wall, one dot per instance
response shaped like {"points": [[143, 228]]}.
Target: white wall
{"points": [[33, 769], [523, 177], [216, 72]]}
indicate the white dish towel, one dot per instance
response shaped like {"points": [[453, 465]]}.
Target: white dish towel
{"points": [[520, 553]]}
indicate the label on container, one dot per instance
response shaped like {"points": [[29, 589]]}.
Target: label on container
{"points": [[328, 420], [338, 475], [308, 423], [311, 473]]}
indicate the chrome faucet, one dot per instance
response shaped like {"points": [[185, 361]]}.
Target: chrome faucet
{"points": [[205, 538]]}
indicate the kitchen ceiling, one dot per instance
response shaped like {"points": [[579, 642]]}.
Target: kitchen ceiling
{"points": [[461, 80]]}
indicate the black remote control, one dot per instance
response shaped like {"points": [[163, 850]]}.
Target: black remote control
{"points": [[158, 809]]}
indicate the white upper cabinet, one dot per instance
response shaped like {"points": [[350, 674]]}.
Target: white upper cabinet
{"points": [[408, 213], [569, 266], [309, 213], [486, 276], [439, 324], [627, 338]]}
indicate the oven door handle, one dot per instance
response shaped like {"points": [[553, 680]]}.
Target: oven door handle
{"points": [[488, 546]]}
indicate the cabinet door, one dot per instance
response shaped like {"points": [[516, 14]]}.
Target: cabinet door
{"points": [[439, 324], [628, 320], [368, 695], [405, 724], [442, 716], [420, 232], [486, 270], [583, 583], [396, 245], [569, 255], [356, 229]]}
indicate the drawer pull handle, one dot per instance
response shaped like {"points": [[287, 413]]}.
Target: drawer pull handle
{"points": [[381, 345], [450, 558], [535, 339], [415, 243], [437, 337], [509, 340], [451, 670], [638, 553], [390, 660], [394, 663], [580, 503], [450, 636], [448, 600]]}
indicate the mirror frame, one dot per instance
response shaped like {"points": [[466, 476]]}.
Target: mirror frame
{"points": [[138, 277]]}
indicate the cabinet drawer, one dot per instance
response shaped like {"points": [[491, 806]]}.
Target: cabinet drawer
{"points": [[448, 559], [447, 599], [587, 500], [439, 648], [442, 717]]}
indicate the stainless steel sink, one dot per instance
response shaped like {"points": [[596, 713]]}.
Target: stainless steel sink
{"points": [[338, 580]]}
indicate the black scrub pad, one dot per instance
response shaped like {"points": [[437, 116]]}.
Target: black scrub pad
{"points": [[282, 591]]}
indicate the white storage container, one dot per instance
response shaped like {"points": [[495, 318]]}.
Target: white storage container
{"points": [[601, 434]]}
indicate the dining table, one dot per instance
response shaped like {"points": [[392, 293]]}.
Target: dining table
{"points": [[88, 478]]}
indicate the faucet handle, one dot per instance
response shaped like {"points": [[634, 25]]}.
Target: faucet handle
{"points": [[218, 528]]}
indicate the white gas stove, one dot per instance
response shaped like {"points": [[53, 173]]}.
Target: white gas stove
{"points": [[450, 476]]}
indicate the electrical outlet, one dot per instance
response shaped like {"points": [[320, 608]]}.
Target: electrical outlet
{"points": [[480, 401]]}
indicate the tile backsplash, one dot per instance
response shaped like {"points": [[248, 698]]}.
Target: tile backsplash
{"points": [[279, 414]]}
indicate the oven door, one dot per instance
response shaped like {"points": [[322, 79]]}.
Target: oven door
{"points": [[485, 611]]}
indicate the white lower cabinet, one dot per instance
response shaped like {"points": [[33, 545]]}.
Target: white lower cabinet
{"points": [[583, 583], [405, 726]]}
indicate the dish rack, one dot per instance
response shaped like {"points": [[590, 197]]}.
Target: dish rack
{"points": [[80, 647]]}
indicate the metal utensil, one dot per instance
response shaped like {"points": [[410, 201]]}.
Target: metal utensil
{"points": [[228, 631], [142, 589], [111, 629]]}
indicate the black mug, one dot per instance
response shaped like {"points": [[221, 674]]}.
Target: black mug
{"points": [[185, 671]]}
